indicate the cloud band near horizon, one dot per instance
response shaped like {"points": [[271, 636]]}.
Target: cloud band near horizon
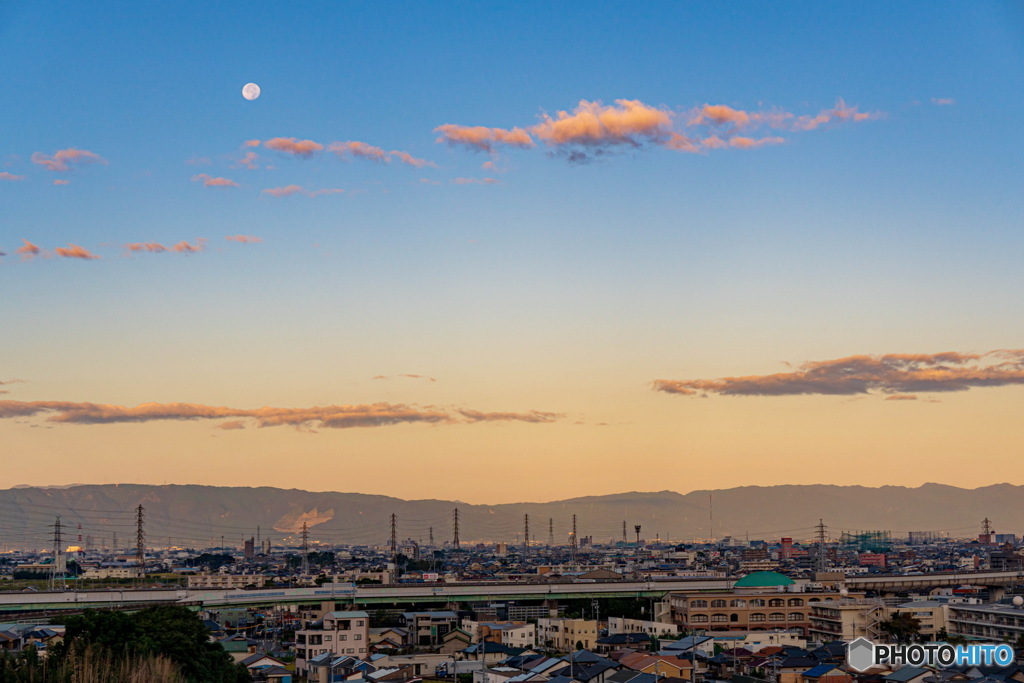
{"points": [[891, 374], [333, 417]]}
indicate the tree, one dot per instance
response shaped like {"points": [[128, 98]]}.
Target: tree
{"points": [[902, 627]]}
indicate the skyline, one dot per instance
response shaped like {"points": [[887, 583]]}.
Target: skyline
{"points": [[777, 247]]}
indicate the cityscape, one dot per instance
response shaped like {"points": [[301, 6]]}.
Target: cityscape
{"points": [[512, 342]]}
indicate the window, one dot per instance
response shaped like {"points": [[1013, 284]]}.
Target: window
{"points": [[795, 602], [758, 616], [702, 618], [776, 602], [719, 617], [776, 616], [362, 649], [342, 637], [359, 623], [351, 650], [757, 602], [796, 616], [718, 603], [358, 636], [698, 603], [734, 617], [326, 638], [737, 603]]}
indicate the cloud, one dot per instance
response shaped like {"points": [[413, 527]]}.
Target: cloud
{"points": [[75, 251], [60, 181], [248, 161], [198, 161], [289, 190], [901, 397], [748, 143], [182, 247], [66, 159], [406, 376], [251, 143], [943, 101], [592, 124], [333, 417], [840, 112], [28, 251], [475, 181], [362, 150], [210, 181], [892, 374], [300, 148], [720, 114], [4, 175], [244, 239], [483, 138], [233, 424]]}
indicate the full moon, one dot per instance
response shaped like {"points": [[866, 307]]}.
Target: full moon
{"points": [[251, 91]]}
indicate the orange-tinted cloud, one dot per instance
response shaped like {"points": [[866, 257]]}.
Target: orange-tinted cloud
{"points": [[289, 190], [4, 175], [362, 150], [75, 251], [210, 181], [901, 397], [741, 142], [483, 138], [61, 181], [943, 101], [66, 159], [475, 181], [336, 417], [248, 161], [251, 143], [244, 239], [888, 374], [233, 424], [629, 122], [720, 114], [28, 251], [182, 247], [300, 148], [840, 112]]}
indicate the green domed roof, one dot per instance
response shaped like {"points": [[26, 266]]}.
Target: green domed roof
{"points": [[763, 580]]}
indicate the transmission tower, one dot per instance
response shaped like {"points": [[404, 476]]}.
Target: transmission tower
{"points": [[551, 532], [305, 548], [455, 529], [140, 540], [431, 537], [572, 539], [636, 528], [394, 538], [820, 564], [624, 541], [526, 534], [59, 568]]}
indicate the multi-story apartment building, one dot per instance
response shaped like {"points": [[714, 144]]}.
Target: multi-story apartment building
{"points": [[847, 619], [653, 628], [517, 634], [428, 629], [996, 623], [228, 581], [565, 634], [342, 633], [759, 601]]}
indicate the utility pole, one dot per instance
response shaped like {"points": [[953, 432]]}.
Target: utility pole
{"points": [[394, 539], [526, 534], [455, 529], [636, 528], [59, 567], [820, 564], [305, 548], [140, 540]]}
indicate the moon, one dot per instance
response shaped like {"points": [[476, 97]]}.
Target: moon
{"points": [[250, 91]]}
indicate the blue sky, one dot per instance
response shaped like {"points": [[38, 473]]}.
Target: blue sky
{"points": [[543, 284]]}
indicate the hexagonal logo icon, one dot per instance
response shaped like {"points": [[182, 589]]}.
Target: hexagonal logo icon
{"points": [[860, 654]]}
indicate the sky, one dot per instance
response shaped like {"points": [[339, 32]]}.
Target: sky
{"points": [[501, 252]]}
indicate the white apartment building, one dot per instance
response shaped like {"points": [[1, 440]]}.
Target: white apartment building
{"points": [[342, 633], [564, 634]]}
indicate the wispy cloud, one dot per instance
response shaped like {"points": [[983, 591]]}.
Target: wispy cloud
{"points": [[475, 181], [334, 416], [244, 239], [210, 181], [61, 181], [248, 161], [483, 138], [28, 251], [293, 146], [943, 101], [182, 247], [75, 251], [4, 175], [251, 143], [289, 190], [361, 150], [407, 375], [892, 374], [66, 159]]}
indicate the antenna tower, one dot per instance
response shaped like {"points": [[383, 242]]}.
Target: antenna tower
{"points": [[551, 532], [305, 548], [59, 568], [455, 528], [140, 539], [394, 538], [572, 539], [636, 528]]}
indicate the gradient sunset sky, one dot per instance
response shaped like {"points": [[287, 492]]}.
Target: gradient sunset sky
{"points": [[512, 251]]}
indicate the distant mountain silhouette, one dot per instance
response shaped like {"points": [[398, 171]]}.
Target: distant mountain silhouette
{"points": [[198, 516]]}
